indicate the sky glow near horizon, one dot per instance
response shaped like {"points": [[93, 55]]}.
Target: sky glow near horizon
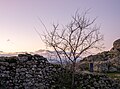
{"points": [[19, 17]]}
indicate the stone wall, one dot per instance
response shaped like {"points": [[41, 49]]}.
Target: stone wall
{"points": [[88, 80], [26, 72]]}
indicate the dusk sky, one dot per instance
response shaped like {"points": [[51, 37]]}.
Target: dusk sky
{"points": [[19, 17]]}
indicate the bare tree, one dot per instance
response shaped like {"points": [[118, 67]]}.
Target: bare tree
{"points": [[78, 37]]}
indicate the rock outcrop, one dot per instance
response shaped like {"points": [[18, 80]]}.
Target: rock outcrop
{"points": [[107, 61], [116, 44]]}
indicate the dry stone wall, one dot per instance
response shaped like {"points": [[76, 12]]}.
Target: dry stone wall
{"points": [[26, 72]]}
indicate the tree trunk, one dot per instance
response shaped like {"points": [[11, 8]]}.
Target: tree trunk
{"points": [[73, 76]]}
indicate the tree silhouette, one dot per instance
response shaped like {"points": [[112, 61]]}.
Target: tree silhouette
{"points": [[74, 39]]}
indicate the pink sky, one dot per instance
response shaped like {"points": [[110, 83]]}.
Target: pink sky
{"points": [[19, 17]]}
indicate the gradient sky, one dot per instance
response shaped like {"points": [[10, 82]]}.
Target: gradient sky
{"points": [[19, 17]]}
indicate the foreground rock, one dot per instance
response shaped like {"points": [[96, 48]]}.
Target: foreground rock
{"points": [[27, 72], [97, 81]]}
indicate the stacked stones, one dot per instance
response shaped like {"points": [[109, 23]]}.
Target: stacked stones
{"points": [[97, 81], [35, 72], [26, 72]]}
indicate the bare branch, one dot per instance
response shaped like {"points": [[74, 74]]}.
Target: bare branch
{"points": [[76, 38]]}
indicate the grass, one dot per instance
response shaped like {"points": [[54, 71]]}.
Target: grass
{"points": [[114, 75]]}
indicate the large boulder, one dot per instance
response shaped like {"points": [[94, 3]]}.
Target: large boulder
{"points": [[116, 44], [116, 47]]}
